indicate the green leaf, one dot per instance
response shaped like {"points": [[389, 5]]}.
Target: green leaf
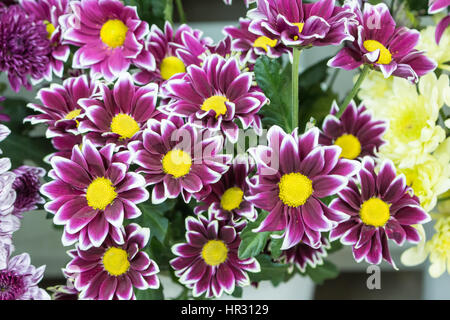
{"points": [[275, 272], [315, 103], [314, 75], [321, 273], [237, 293], [275, 247], [150, 294], [153, 218], [253, 242]]}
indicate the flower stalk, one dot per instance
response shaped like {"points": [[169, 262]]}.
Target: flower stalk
{"points": [[295, 87], [354, 91]]}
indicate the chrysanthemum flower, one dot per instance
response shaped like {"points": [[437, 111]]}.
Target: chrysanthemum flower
{"points": [[178, 159], [297, 24], [24, 47], [294, 172], [252, 45], [302, 255], [92, 193], [110, 36], [19, 279], [215, 95], [26, 185], [67, 291], [48, 12], [173, 51], [208, 262], [356, 132], [111, 271], [380, 43], [381, 208], [433, 50], [226, 198], [435, 6], [121, 114]]}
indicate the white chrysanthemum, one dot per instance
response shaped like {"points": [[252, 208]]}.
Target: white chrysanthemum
{"points": [[439, 53]]}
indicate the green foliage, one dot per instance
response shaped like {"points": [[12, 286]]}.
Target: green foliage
{"points": [[151, 11], [275, 247], [237, 293], [153, 218], [150, 294], [270, 270], [253, 242], [321, 273]]}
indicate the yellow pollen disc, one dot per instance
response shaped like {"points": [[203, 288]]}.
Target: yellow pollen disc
{"points": [[124, 125], [50, 28], [100, 193], [214, 252], [115, 261], [351, 147], [113, 33], [177, 163], [216, 103], [232, 198], [295, 189], [171, 66], [300, 26], [374, 212], [385, 54], [72, 114], [264, 42]]}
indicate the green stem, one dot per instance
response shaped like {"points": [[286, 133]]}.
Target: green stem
{"points": [[295, 88], [181, 11], [354, 91], [168, 11]]}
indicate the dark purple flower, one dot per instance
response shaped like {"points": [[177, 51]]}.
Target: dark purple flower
{"points": [[209, 263], [435, 6], [356, 132], [302, 255], [27, 185], [381, 208]]}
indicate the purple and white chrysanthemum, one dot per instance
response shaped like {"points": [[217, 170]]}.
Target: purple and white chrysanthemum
{"points": [[295, 23], [356, 132], [380, 43], [110, 36], [48, 13], [252, 45], [215, 95], [24, 47], [208, 262], [381, 208], [19, 279], [27, 185], [92, 193], [293, 173], [121, 114], [226, 198], [302, 255], [172, 51], [435, 6], [178, 159], [111, 271]]}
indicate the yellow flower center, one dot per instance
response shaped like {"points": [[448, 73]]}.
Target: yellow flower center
{"points": [[214, 252], [216, 103], [351, 147], [300, 26], [264, 42], [407, 124], [115, 261], [50, 28], [100, 193], [295, 189], [374, 212], [113, 33], [124, 125], [72, 114], [177, 163], [232, 198], [171, 66], [385, 54]]}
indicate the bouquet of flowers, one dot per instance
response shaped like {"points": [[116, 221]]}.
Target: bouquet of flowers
{"points": [[220, 165]]}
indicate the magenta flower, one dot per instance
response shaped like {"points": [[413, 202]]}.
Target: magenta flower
{"points": [[209, 263], [302, 255], [24, 47], [111, 271], [19, 279], [226, 198], [92, 193], [380, 43], [381, 208], [435, 6], [48, 13], [247, 2], [121, 114], [297, 24], [64, 145], [110, 36], [441, 27], [178, 159], [356, 132], [173, 51], [27, 185], [251, 45], [215, 95], [293, 173]]}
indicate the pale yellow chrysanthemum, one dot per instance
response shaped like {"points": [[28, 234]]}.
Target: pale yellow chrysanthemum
{"points": [[439, 53], [412, 130]]}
